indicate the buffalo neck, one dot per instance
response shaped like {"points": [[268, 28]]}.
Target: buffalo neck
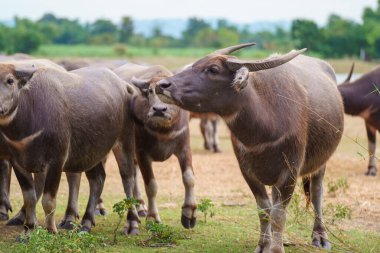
{"points": [[261, 123]]}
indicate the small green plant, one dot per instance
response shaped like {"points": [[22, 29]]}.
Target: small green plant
{"points": [[120, 208], [160, 233], [40, 240], [334, 186], [206, 207], [338, 211], [120, 50]]}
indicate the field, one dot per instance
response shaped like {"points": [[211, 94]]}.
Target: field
{"points": [[235, 226], [351, 203], [171, 57]]}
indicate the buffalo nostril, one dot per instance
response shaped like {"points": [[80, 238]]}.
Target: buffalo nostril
{"points": [[164, 109], [1, 110]]}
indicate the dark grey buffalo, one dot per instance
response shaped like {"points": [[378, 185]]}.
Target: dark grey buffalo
{"points": [[286, 120], [53, 121], [162, 130], [362, 98]]}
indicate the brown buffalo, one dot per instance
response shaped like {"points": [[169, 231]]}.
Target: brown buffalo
{"points": [[286, 120], [54, 121], [162, 130], [361, 98]]}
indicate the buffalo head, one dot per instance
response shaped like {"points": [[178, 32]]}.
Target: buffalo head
{"points": [[12, 80], [213, 82], [154, 111]]}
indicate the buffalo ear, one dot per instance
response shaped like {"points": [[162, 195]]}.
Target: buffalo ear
{"points": [[24, 74], [241, 78], [142, 84]]}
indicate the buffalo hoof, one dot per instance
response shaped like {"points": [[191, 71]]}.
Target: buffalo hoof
{"points": [[15, 221], [85, 229], [188, 222], [321, 242], [131, 228], [4, 216], [101, 211], [66, 224], [22, 238], [142, 213], [371, 171]]}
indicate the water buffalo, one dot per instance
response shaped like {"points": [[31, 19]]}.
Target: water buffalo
{"points": [[286, 120], [361, 98], [209, 126], [54, 121], [162, 130]]}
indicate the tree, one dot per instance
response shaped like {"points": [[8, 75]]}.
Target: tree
{"points": [[103, 31], [371, 30], [126, 29], [194, 26], [306, 33], [341, 38]]}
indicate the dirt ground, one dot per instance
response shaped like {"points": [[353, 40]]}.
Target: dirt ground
{"points": [[218, 177]]}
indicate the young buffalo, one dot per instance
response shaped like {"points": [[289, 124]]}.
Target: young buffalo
{"points": [[286, 120], [162, 130]]}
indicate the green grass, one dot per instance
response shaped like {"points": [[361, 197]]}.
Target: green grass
{"points": [[102, 51], [233, 229], [172, 57]]}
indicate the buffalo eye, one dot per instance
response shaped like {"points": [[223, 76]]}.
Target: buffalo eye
{"points": [[10, 81], [150, 90], [213, 70]]}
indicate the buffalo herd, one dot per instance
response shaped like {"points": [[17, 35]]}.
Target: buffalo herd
{"points": [[285, 115]]}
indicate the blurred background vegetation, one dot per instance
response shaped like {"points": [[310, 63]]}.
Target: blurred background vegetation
{"points": [[56, 36]]}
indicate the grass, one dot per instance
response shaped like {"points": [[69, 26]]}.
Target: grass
{"points": [[234, 229]]}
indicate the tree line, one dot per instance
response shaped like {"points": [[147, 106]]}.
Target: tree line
{"points": [[340, 37]]}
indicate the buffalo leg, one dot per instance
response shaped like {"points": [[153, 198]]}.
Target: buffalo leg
{"points": [[371, 134], [281, 196], [71, 214], [100, 209], [5, 180], [124, 155], [39, 182], [188, 218], [53, 178], [319, 236], [145, 165], [96, 178], [206, 129], [141, 209], [264, 207], [26, 182], [215, 134]]}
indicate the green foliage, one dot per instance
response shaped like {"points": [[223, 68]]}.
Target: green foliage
{"points": [[334, 186], [41, 241], [338, 212], [120, 208], [160, 233], [206, 207], [340, 37]]}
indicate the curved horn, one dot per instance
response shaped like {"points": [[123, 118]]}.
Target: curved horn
{"points": [[140, 83], [231, 49], [350, 73], [271, 62]]}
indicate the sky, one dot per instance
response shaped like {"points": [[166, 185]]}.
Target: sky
{"points": [[240, 11]]}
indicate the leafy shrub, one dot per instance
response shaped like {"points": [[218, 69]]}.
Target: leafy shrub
{"points": [[120, 208], [41, 241], [206, 207]]}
